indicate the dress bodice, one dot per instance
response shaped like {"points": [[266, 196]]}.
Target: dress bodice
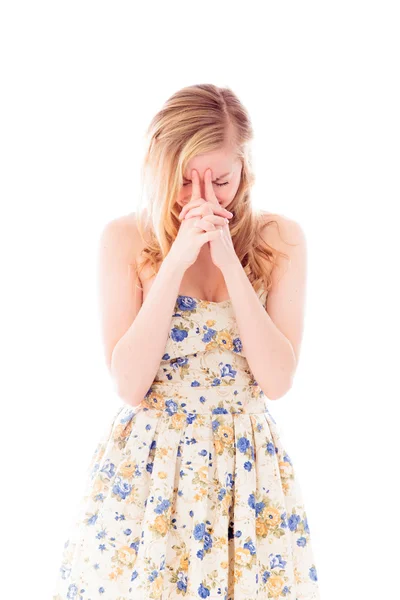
{"points": [[204, 358]]}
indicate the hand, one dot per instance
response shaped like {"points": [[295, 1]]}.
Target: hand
{"points": [[221, 248], [191, 235], [197, 201]]}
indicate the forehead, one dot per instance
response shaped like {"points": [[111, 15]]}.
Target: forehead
{"points": [[219, 161]]}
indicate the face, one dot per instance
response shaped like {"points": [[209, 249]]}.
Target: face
{"points": [[226, 171]]}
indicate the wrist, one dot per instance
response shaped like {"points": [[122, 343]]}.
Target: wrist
{"points": [[173, 267], [232, 267]]}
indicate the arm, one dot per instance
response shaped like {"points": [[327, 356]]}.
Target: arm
{"points": [[134, 334], [272, 339]]}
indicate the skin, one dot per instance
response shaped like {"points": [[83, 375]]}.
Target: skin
{"points": [[220, 162], [135, 324], [205, 279]]}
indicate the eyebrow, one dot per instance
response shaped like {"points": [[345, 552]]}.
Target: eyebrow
{"points": [[217, 179]]}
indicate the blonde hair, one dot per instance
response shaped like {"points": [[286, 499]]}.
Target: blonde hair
{"points": [[195, 120]]}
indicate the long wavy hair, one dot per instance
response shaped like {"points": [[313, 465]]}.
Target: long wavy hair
{"points": [[195, 120]]}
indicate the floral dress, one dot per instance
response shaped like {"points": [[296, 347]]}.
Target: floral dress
{"points": [[191, 494]]}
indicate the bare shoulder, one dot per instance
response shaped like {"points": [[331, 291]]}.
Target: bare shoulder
{"points": [[281, 232], [121, 236], [287, 237]]}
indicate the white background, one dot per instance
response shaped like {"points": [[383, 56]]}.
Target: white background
{"points": [[80, 82]]}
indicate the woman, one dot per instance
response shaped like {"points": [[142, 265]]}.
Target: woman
{"points": [[191, 492]]}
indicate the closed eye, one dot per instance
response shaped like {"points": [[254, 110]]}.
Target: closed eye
{"points": [[219, 184]]}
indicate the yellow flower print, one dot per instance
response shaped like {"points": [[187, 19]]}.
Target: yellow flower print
{"points": [[203, 474], [162, 451], [256, 391], [226, 501], [98, 486], [243, 556], [224, 565], [155, 400], [275, 585], [211, 346], [219, 447], [177, 420], [225, 434], [127, 468], [285, 487], [122, 431], [116, 573], [285, 469], [220, 542], [126, 556], [238, 574], [272, 516], [162, 474], [297, 575], [161, 524], [157, 586], [184, 562], [261, 528], [223, 338], [201, 494], [210, 322]]}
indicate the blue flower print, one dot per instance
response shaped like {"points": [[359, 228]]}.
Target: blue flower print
{"points": [[270, 448], [199, 531], [121, 488], [228, 371], [153, 575], [162, 507], [293, 521], [108, 469], [91, 520], [193, 465], [203, 591], [305, 524], [220, 410], [73, 591], [229, 480], [237, 345], [171, 407], [250, 546], [276, 561], [182, 582], [257, 506], [186, 303], [242, 444], [208, 335], [222, 494], [178, 335], [207, 541], [302, 541]]}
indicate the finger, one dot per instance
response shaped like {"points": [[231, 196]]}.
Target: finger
{"points": [[204, 225], [222, 221], [197, 211], [209, 190], [196, 192], [207, 208], [191, 205]]}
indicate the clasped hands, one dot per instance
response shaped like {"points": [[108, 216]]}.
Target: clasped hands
{"points": [[210, 211]]}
